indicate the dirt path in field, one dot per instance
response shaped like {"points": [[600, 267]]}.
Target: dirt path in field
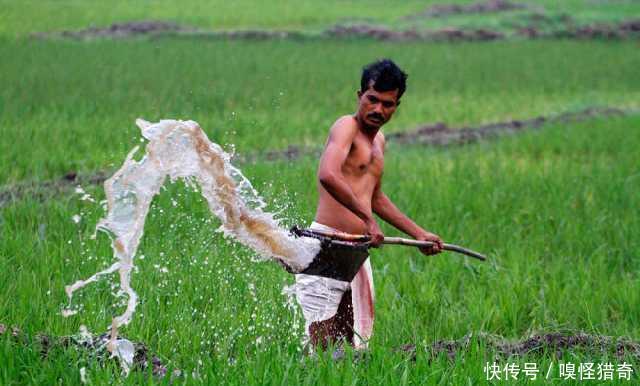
{"points": [[119, 30], [155, 28], [535, 28], [438, 134], [539, 343], [489, 6]]}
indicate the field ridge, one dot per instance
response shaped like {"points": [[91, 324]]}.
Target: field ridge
{"points": [[438, 134]]}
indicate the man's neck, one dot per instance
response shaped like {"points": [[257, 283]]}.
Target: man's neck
{"points": [[368, 131]]}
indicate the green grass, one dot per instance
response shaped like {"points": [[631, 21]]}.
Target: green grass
{"points": [[49, 15], [556, 210], [20, 18], [72, 106], [554, 13]]}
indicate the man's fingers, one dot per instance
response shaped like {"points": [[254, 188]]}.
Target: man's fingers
{"points": [[439, 245], [376, 239], [436, 247]]}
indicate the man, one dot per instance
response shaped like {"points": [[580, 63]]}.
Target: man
{"points": [[350, 192]]}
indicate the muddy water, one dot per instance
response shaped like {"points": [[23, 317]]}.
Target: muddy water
{"points": [[181, 150]]}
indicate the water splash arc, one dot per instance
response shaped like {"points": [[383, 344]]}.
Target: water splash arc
{"points": [[181, 150]]}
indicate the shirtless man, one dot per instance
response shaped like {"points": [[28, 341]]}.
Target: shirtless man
{"points": [[349, 185]]}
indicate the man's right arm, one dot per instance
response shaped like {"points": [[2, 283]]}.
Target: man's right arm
{"points": [[332, 180]]}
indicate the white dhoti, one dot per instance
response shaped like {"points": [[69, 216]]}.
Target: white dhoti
{"points": [[319, 298]]}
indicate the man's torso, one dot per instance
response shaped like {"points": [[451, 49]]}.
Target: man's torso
{"points": [[362, 171]]}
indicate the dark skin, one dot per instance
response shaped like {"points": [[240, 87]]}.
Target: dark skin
{"points": [[350, 174]]}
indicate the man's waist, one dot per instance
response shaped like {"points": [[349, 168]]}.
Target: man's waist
{"points": [[343, 222]]}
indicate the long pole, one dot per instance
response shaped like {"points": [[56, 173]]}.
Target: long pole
{"points": [[396, 241], [424, 244]]}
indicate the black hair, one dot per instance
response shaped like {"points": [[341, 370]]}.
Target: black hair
{"points": [[386, 76]]}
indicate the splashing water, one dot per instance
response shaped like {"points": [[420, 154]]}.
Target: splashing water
{"points": [[180, 149]]}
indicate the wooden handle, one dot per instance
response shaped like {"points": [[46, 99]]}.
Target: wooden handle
{"points": [[398, 241], [423, 244]]}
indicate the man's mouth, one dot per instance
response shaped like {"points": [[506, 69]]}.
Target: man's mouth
{"points": [[375, 119]]}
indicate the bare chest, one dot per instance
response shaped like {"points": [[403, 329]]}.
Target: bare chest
{"points": [[365, 158]]}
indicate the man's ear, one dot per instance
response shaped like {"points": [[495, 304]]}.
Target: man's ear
{"points": [[398, 103], [359, 93]]}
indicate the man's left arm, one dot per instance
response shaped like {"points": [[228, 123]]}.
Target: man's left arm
{"points": [[389, 212]]}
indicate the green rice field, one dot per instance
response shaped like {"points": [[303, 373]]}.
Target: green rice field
{"points": [[556, 209]]}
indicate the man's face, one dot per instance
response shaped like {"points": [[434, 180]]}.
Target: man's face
{"points": [[375, 108]]}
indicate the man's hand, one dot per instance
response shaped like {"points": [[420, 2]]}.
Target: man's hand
{"points": [[428, 236], [374, 231]]}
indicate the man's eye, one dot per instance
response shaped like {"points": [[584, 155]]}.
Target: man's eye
{"points": [[373, 99], [387, 104]]}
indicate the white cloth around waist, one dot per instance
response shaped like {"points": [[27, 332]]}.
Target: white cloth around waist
{"points": [[319, 296]]}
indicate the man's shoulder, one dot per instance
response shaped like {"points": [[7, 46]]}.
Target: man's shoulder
{"points": [[346, 125], [345, 121]]}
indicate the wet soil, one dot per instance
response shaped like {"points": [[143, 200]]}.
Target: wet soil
{"points": [[386, 34], [557, 343], [120, 30], [622, 30], [536, 27], [490, 6], [550, 342], [440, 134], [155, 28], [44, 190], [143, 359]]}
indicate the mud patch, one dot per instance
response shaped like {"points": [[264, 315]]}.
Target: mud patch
{"points": [[95, 346], [440, 134], [120, 30], [536, 344], [536, 27], [385, 34], [563, 26], [533, 25], [291, 153], [154, 29], [622, 30], [490, 6], [44, 190], [540, 24], [540, 343], [255, 34]]}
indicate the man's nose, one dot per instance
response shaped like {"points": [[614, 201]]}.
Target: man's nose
{"points": [[378, 108]]}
